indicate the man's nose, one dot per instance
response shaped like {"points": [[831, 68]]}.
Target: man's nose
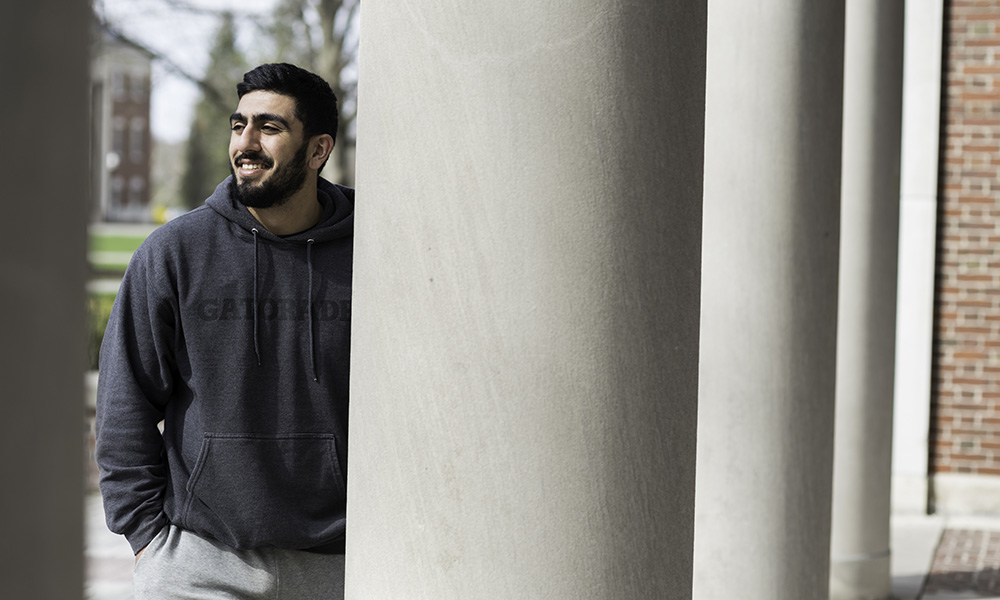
{"points": [[248, 139]]}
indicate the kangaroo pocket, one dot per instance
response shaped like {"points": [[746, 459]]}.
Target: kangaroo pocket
{"points": [[284, 490]]}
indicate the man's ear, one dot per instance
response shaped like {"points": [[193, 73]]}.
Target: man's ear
{"points": [[321, 147]]}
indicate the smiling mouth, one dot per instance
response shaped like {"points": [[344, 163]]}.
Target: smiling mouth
{"points": [[251, 167], [251, 171]]}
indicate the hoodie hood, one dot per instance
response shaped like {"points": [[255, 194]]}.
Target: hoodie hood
{"points": [[337, 220]]}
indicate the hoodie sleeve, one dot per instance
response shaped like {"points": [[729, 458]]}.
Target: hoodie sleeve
{"points": [[135, 383]]}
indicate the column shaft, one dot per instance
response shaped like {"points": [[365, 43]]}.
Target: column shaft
{"points": [[44, 47], [769, 299], [525, 317], [873, 69], [917, 254]]}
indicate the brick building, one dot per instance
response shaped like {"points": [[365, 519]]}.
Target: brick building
{"points": [[965, 433], [121, 139], [946, 453]]}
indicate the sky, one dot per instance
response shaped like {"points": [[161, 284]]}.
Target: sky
{"points": [[185, 35]]}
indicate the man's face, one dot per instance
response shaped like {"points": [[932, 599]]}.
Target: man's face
{"points": [[267, 150]]}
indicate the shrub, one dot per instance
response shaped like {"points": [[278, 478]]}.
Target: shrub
{"points": [[98, 311]]}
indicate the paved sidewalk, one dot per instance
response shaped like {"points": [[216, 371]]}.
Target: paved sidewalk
{"points": [[107, 558], [945, 558], [934, 558], [914, 541], [967, 562]]}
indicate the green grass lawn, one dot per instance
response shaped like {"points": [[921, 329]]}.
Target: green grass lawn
{"points": [[110, 252], [114, 242]]}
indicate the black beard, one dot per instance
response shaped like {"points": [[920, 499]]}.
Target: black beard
{"points": [[279, 187]]}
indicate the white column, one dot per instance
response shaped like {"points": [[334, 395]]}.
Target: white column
{"points": [[917, 253], [44, 48], [873, 72], [525, 314], [769, 299]]}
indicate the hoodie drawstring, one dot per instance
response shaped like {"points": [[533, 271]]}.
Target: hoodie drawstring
{"points": [[256, 323], [312, 345], [256, 342]]}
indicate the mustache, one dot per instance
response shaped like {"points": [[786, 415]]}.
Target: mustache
{"points": [[255, 157]]}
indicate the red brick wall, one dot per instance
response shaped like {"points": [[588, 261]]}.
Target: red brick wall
{"points": [[966, 409]]}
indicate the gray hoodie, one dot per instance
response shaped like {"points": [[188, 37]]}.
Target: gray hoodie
{"points": [[239, 342]]}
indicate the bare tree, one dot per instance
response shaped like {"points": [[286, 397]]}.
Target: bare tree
{"points": [[122, 26], [207, 152], [322, 36]]}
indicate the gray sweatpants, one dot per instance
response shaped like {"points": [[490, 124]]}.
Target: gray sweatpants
{"points": [[179, 565]]}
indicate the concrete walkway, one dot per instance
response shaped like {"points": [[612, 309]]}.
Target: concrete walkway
{"points": [[107, 558], [963, 562], [934, 558]]}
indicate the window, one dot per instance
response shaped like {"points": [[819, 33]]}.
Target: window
{"points": [[118, 136], [138, 86], [117, 193], [137, 140], [118, 85], [136, 191]]}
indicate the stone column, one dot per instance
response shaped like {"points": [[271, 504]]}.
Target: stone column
{"points": [[917, 254], [769, 299], [525, 314], [44, 47], [873, 95]]}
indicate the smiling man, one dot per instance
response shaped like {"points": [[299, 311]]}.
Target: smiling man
{"points": [[231, 330]]}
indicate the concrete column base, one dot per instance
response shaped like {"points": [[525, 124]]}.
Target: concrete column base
{"points": [[861, 578]]}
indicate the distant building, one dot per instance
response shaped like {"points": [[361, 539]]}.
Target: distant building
{"points": [[121, 140]]}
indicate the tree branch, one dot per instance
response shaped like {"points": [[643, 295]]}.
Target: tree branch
{"points": [[208, 90]]}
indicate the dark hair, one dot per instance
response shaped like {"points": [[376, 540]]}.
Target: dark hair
{"points": [[315, 102]]}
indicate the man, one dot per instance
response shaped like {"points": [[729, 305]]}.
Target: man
{"points": [[232, 328]]}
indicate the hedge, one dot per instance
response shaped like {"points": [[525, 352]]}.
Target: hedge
{"points": [[98, 312]]}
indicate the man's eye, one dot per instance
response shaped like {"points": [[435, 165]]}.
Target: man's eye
{"points": [[237, 126], [269, 129]]}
